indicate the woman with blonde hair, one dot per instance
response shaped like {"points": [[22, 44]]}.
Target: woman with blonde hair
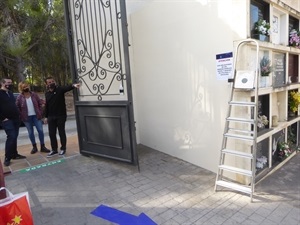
{"points": [[30, 106]]}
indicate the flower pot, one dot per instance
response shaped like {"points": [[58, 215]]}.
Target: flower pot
{"points": [[295, 45], [263, 81], [292, 114], [261, 37], [260, 129]]}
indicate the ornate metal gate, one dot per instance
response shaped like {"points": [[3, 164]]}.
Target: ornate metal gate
{"points": [[98, 46]]}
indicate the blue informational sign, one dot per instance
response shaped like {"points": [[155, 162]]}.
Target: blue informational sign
{"points": [[224, 65], [120, 217]]}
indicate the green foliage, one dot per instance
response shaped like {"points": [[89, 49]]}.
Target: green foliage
{"points": [[265, 66], [284, 150], [33, 41], [294, 100], [291, 137], [262, 27]]}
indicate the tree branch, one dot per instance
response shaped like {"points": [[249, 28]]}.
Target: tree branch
{"points": [[47, 25], [3, 60]]}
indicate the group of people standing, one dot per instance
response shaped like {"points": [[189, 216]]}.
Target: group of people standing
{"points": [[29, 108]]}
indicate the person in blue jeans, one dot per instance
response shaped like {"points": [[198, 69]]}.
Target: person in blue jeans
{"points": [[30, 106], [10, 121]]}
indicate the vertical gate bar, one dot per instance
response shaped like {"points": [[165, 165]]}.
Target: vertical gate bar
{"points": [[112, 30], [118, 35], [88, 33], [79, 66], [101, 28], [128, 81], [94, 28], [83, 24]]}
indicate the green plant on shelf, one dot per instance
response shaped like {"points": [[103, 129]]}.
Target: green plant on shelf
{"points": [[262, 121], [265, 66], [291, 137], [294, 101], [284, 150], [295, 38], [262, 27], [261, 162]]}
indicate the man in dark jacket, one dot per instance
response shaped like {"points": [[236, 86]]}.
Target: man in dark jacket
{"points": [[10, 121], [56, 114]]}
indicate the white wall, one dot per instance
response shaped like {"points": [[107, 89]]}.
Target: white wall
{"points": [[295, 4], [179, 103]]}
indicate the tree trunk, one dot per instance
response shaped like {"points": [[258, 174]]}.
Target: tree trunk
{"points": [[19, 69]]}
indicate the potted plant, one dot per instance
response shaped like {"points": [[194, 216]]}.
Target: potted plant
{"points": [[262, 30], [265, 66], [294, 102], [261, 162], [294, 38], [265, 70], [262, 121], [284, 150]]}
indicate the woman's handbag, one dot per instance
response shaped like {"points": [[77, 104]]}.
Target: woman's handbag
{"points": [[15, 209]]}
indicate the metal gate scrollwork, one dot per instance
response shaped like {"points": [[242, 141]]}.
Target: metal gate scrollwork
{"points": [[99, 59], [98, 46]]}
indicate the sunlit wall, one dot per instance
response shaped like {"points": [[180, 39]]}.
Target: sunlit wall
{"points": [[180, 104]]}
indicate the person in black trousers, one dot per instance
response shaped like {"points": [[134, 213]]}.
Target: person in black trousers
{"points": [[10, 120], [56, 114]]}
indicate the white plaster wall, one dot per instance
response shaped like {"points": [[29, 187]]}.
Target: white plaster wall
{"points": [[180, 106], [295, 4]]}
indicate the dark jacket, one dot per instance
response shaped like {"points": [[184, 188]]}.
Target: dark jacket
{"points": [[22, 106], [8, 107], [55, 101]]}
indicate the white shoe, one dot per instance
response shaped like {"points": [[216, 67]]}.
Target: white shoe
{"points": [[52, 153], [62, 152]]}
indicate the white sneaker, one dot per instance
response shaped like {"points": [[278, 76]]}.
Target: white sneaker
{"points": [[62, 152], [52, 153]]}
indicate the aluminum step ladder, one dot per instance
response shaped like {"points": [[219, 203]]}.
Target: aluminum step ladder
{"points": [[243, 80]]}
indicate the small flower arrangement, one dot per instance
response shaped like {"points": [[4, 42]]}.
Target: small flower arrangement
{"points": [[265, 66], [295, 38], [262, 121], [261, 162], [294, 101], [284, 150], [262, 27]]}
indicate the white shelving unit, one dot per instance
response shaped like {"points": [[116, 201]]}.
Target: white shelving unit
{"points": [[283, 79]]}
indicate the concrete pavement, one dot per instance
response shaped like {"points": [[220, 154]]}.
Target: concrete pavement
{"points": [[168, 190]]}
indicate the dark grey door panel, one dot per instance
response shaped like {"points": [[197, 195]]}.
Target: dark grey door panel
{"points": [[105, 131]]}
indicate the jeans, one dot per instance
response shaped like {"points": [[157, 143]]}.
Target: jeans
{"points": [[33, 120], [57, 123], [11, 128]]}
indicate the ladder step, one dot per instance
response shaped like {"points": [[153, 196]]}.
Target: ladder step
{"points": [[237, 153], [234, 186], [243, 120], [236, 170], [242, 103], [241, 131], [241, 137]]}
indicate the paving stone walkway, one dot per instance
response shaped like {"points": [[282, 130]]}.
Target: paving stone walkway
{"points": [[168, 190]]}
